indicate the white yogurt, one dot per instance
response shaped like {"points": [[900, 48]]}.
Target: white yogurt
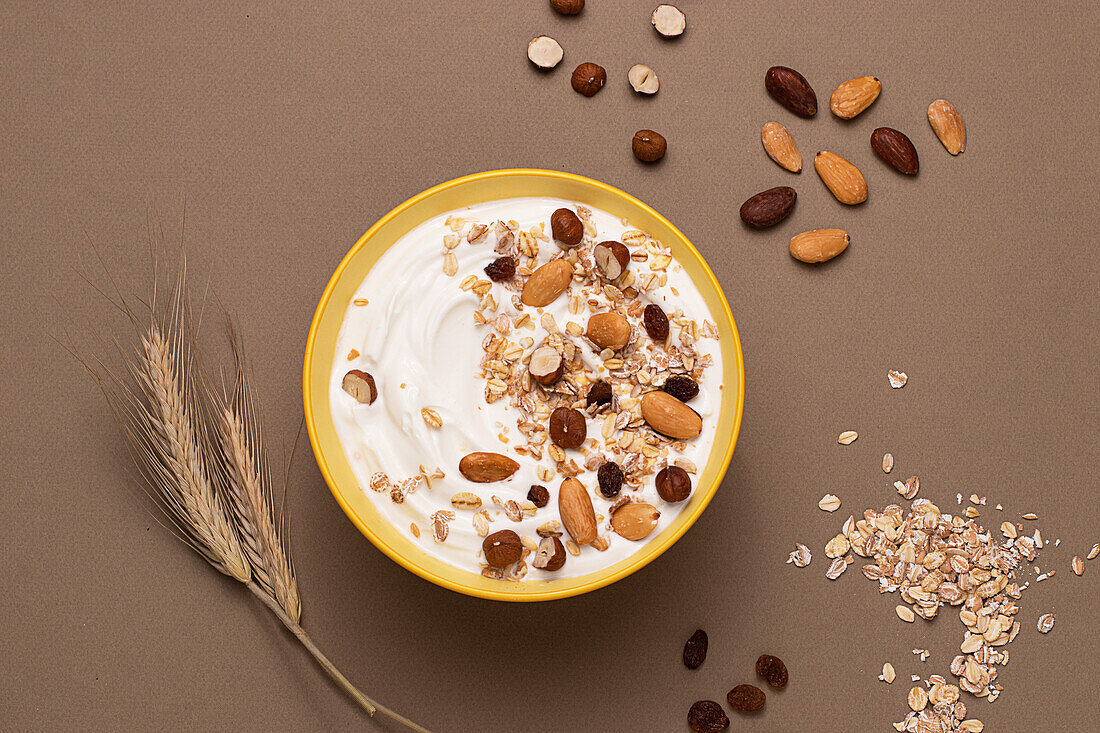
{"points": [[417, 336]]}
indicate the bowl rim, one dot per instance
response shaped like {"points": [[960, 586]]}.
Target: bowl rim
{"points": [[686, 522]]}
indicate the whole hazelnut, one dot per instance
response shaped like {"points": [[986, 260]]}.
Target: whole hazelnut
{"points": [[538, 495], [567, 7], [588, 78], [568, 428], [649, 146], [502, 548], [612, 258], [673, 484], [550, 555], [567, 227]]}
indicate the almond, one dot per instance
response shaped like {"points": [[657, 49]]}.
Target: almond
{"points": [[780, 147], [819, 245], [547, 283], [485, 468], [791, 90], [360, 385], [948, 125], [608, 330], [854, 96], [669, 416], [768, 208], [577, 514], [635, 521], [896, 150], [841, 177]]}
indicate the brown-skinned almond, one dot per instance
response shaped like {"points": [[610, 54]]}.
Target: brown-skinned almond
{"points": [[842, 178], [669, 416], [791, 90], [819, 245], [854, 96], [896, 150], [780, 147], [608, 330], [768, 208], [547, 283], [484, 468], [948, 125], [635, 521], [575, 508]]}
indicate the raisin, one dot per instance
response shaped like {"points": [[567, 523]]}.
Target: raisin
{"points": [[599, 394], [695, 650], [502, 268], [746, 698], [673, 484], [610, 477], [682, 387], [656, 322], [538, 495], [568, 427], [707, 716], [772, 670]]}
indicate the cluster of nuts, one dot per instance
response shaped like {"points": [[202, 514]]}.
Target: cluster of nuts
{"points": [[843, 179], [589, 78]]}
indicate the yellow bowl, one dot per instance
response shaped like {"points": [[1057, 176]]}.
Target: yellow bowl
{"points": [[465, 191]]}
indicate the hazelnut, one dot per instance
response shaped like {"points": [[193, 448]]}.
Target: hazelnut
{"points": [[360, 385], [669, 20], [610, 478], [643, 79], [611, 258], [502, 548], [655, 322], [598, 394], [649, 146], [546, 365], [568, 427], [588, 78], [544, 52], [682, 387], [502, 268], [538, 495], [550, 555], [566, 227], [567, 7], [673, 484]]}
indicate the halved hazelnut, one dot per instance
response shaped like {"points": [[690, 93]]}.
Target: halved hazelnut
{"points": [[567, 7], [612, 258], [566, 227], [669, 20], [550, 555], [643, 79], [546, 365], [360, 385], [545, 52]]}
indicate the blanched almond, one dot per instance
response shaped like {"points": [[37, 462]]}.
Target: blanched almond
{"points": [[608, 330], [669, 416], [780, 147], [842, 178], [635, 521], [577, 514], [854, 96], [547, 283], [819, 245]]}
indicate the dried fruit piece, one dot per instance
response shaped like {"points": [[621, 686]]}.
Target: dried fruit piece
{"points": [[566, 227], [610, 478], [643, 79], [768, 208], [842, 178], [668, 20], [635, 521], [648, 145], [608, 330], [669, 416], [360, 385], [502, 548], [546, 365], [695, 650], [673, 484], [746, 698], [682, 387], [847, 437], [819, 245], [948, 125], [544, 52], [568, 427], [772, 670], [854, 96], [538, 495], [567, 7], [791, 90], [780, 147], [550, 554], [829, 503], [655, 322], [502, 268], [918, 699], [547, 283], [588, 78], [598, 394], [896, 150], [575, 509], [612, 259], [483, 468]]}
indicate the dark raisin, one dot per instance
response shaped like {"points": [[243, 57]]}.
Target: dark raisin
{"points": [[610, 477], [599, 394], [746, 698], [695, 650], [772, 670], [682, 387], [707, 716], [568, 427], [673, 484], [538, 495], [656, 322], [502, 268]]}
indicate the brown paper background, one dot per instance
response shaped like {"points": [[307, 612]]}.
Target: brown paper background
{"points": [[284, 130]]}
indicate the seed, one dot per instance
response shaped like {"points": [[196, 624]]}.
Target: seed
{"points": [[847, 437], [791, 90], [948, 125], [746, 698], [649, 145], [1078, 565], [360, 385], [610, 478], [566, 227], [888, 674], [673, 484], [918, 699], [887, 462], [695, 650], [819, 245], [707, 716], [829, 503], [905, 613], [772, 670], [550, 554], [841, 177]]}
